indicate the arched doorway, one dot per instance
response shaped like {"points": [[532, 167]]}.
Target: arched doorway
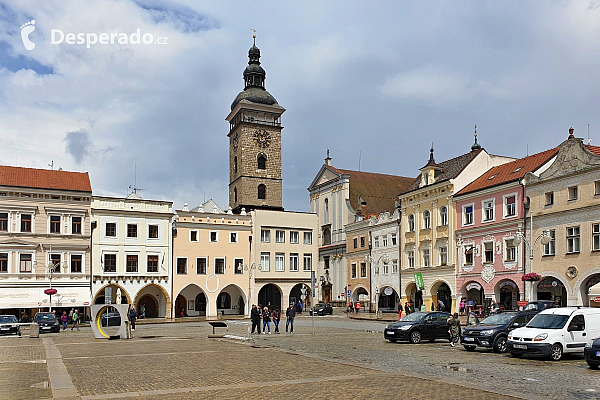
{"points": [[593, 280], [151, 305], [200, 304], [180, 307], [415, 296], [270, 293], [296, 295], [473, 291], [551, 288], [444, 294], [388, 300], [508, 295], [111, 291]]}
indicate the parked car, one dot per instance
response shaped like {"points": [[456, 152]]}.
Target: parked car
{"points": [[555, 331], [417, 326], [111, 319], [47, 322], [591, 352], [9, 325], [321, 309], [492, 332], [539, 305]]}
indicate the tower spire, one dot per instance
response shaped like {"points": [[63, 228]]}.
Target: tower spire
{"points": [[476, 146]]}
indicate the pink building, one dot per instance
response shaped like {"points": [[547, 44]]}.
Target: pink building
{"points": [[490, 211]]}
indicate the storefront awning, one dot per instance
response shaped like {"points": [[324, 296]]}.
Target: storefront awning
{"points": [[33, 297], [594, 290]]}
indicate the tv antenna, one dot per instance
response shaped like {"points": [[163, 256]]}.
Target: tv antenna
{"points": [[51, 165], [589, 138], [134, 187]]}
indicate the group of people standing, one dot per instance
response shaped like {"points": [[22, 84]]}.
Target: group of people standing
{"points": [[72, 318], [268, 314], [353, 306]]}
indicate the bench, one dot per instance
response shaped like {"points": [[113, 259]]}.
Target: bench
{"points": [[217, 324]]}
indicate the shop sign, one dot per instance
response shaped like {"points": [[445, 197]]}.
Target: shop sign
{"points": [[508, 283], [419, 281], [596, 299], [473, 286], [388, 291], [522, 303]]}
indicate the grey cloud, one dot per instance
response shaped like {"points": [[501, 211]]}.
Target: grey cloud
{"points": [[178, 17], [79, 144]]}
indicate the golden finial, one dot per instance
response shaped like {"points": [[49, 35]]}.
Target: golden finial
{"points": [[254, 35]]}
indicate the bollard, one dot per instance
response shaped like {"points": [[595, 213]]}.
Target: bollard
{"points": [[34, 330]]}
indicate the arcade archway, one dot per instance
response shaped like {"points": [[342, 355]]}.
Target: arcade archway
{"points": [[270, 293]]}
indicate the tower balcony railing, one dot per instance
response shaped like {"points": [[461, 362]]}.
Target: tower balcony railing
{"points": [[254, 120]]}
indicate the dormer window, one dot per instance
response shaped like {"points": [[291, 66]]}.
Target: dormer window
{"points": [[426, 178]]}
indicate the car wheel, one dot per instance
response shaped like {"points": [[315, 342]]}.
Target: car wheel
{"points": [[415, 337], [556, 352], [469, 348], [593, 365], [393, 340], [516, 355], [500, 345]]}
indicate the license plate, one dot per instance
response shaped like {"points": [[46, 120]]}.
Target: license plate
{"points": [[390, 332], [46, 327], [520, 346], [469, 339]]}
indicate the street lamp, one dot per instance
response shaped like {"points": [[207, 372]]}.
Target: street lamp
{"points": [[249, 268], [544, 239], [51, 268]]}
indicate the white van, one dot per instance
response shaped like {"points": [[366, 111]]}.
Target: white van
{"points": [[555, 331]]}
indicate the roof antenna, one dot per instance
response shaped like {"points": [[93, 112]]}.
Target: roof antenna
{"points": [[527, 150], [134, 188], [589, 139], [359, 156], [51, 165]]}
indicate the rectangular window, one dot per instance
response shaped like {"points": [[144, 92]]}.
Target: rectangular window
{"points": [[376, 245], [213, 236], [25, 265], [279, 262], [294, 262], [233, 237], [265, 235], [279, 236], [443, 216], [131, 230], [573, 239], [510, 208], [152, 265], [488, 249], [469, 255], [55, 260], [355, 243], [3, 262], [55, 224], [111, 229], [153, 231], [193, 236], [468, 215], [394, 240], [363, 270], [76, 225], [443, 256], [26, 223], [411, 259], [426, 257], [294, 237], [488, 210], [550, 248], [549, 198], [219, 266], [76, 263], [597, 188], [353, 273], [595, 237], [308, 262], [307, 237], [201, 266], [238, 266], [132, 263], [362, 241], [182, 266], [572, 193], [110, 263], [4, 222], [510, 254], [384, 240], [394, 266], [265, 261]]}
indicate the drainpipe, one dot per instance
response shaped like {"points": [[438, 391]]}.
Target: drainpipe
{"points": [[93, 225], [526, 207]]}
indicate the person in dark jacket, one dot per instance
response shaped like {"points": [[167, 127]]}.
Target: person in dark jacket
{"points": [[255, 317], [132, 316], [454, 329], [266, 320], [276, 315], [290, 313]]}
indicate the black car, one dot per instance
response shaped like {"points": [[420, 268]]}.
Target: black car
{"points": [[492, 332], [321, 309], [539, 305], [591, 352], [111, 319], [9, 325], [417, 326], [47, 322]]}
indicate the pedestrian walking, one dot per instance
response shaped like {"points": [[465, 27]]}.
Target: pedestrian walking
{"points": [[143, 311], [255, 318], [357, 307], [276, 315], [290, 313], [299, 306], [266, 320], [399, 310], [75, 319], [132, 315], [71, 315], [462, 305], [407, 308], [64, 318], [453, 328], [351, 305]]}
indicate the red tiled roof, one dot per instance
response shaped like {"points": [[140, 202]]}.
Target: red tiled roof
{"points": [[44, 179], [509, 172], [378, 191], [593, 149]]}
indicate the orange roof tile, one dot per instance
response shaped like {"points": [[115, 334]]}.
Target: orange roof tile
{"points": [[44, 179], [593, 149], [509, 172]]}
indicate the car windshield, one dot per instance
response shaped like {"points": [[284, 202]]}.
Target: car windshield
{"points": [[548, 321], [4, 319], [413, 317], [497, 319], [44, 317]]}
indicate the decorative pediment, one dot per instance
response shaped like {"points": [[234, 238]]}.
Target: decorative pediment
{"points": [[18, 243], [325, 174]]}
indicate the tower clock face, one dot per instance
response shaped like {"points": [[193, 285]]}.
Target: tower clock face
{"points": [[235, 141], [262, 138]]}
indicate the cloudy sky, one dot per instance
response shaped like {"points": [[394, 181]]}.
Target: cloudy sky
{"points": [[376, 81]]}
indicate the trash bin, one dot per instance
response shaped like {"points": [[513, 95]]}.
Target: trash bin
{"points": [[34, 330]]}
